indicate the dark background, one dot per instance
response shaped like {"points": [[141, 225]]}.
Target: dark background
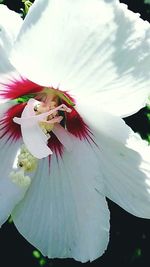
{"points": [[129, 244]]}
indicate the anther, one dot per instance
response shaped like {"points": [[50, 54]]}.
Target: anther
{"points": [[26, 163]]}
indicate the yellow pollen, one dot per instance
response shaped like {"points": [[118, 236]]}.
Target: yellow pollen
{"points": [[20, 179], [26, 160], [26, 163]]}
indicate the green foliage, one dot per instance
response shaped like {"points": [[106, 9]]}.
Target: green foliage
{"points": [[41, 260], [147, 1], [27, 5], [36, 254], [10, 220], [137, 254]]}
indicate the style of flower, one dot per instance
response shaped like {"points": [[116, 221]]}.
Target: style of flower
{"points": [[69, 73]]}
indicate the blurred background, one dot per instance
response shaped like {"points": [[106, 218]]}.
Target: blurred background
{"points": [[129, 244]]}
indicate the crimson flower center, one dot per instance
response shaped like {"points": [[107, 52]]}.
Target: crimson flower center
{"points": [[59, 107]]}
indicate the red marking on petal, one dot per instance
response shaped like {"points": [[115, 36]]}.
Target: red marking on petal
{"points": [[18, 88], [55, 145], [76, 126], [8, 127]]}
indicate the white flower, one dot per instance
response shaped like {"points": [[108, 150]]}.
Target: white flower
{"points": [[90, 61]]}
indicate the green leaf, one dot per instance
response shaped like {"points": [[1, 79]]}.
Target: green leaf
{"points": [[36, 254], [10, 220], [27, 5], [147, 1], [42, 262]]}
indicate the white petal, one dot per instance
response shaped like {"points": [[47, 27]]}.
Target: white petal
{"points": [[63, 136], [63, 214], [10, 24], [127, 176], [5, 66], [124, 160], [93, 48], [7, 71], [10, 194]]}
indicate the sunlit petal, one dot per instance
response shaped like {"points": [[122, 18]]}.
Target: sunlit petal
{"points": [[63, 213], [10, 24], [124, 160], [95, 48]]}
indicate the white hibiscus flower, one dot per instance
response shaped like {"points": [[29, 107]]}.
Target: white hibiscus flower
{"points": [[77, 67]]}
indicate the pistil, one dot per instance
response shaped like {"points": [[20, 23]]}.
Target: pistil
{"points": [[50, 99], [44, 114]]}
